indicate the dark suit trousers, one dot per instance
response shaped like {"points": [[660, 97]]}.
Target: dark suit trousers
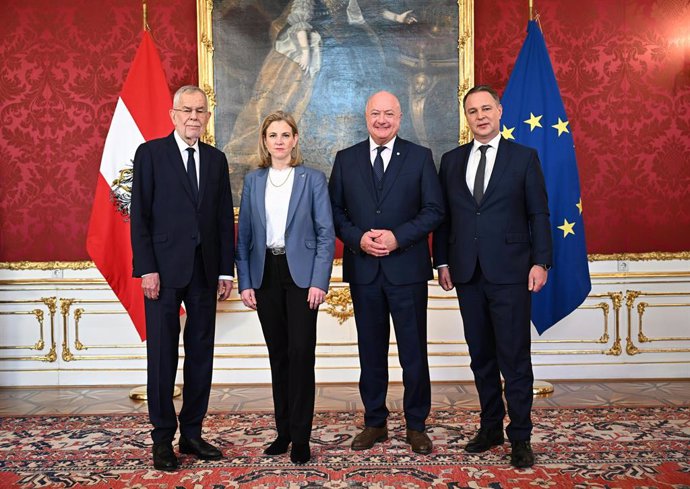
{"points": [[496, 319], [289, 327], [374, 304], [162, 340]]}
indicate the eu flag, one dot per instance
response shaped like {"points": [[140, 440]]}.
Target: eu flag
{"points": [[533, 115]]}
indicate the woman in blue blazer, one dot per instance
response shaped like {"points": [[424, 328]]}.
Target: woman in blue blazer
{"points": [[284, 257]]}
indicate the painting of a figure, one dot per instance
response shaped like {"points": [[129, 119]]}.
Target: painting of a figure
{"points": [[320, 60]]}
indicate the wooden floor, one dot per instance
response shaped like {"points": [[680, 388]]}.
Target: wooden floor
{"points": [[227, 398]]}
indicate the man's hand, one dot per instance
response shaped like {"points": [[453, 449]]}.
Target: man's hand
{"points": [[151, 284], [315, 297], [371, 246], [444, 279], [537, 278], [386, 238], [224, 288], [248, 298]]}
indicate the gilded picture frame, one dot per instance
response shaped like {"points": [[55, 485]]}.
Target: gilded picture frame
{"points": [[421, 51]]}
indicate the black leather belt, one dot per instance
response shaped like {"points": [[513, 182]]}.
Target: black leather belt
{"points": [[277, 251]]}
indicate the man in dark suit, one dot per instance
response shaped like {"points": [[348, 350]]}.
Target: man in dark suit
{"points": [[495, 248], [183, 243], [386, 199]]}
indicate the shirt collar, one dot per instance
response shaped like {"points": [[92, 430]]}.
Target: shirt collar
{"points": [[182, 144], [389, 144], [493, 143]]}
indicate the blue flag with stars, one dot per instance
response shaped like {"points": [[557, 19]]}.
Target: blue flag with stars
{"points": [[534, 115]]}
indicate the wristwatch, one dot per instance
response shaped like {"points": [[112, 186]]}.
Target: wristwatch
{"points": [[544, 266]]}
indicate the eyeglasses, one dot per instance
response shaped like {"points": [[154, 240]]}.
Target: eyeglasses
{"points": [[187, 111]]}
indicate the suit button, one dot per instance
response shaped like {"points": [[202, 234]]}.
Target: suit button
{"points": [[479, 213], [193, 236], [378, 211], [475, 238]]}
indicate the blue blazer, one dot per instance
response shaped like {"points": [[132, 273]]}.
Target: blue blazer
{"points": [[309, 234], [410, 205], [166, 221], [509, 231]]}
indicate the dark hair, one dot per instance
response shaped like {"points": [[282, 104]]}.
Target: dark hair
{"points": [[482, 88]]}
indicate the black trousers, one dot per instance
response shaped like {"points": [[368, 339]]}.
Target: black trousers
{"points": [[162, 345], [289, 327], [375, 304], [496, 320]]}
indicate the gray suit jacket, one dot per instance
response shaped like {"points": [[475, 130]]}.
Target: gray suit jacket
{"points": [[309, 233]]}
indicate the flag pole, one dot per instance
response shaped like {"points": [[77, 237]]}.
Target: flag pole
{"points": [[540, 388], [139, 393]]}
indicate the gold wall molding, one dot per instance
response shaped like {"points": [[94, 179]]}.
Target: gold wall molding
{"points": [[641, 307], [85, 265], [51, 304]]}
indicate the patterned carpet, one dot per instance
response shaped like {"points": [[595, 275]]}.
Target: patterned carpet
{"points": [[575, 448]]}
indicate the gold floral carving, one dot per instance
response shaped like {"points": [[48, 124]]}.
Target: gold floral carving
{"points": [[339, 304]]}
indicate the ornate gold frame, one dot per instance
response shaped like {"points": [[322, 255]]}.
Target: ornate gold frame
{"points": [[204, 15]]}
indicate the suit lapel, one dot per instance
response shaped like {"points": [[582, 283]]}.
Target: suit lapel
{"points": [[298, 184], [363, 161], [204, 162], [465, 156], [394, 165], [259, 194], [175, 158]]}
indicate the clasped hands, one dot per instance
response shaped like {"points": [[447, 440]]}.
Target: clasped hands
{"points": [[378, 242]]}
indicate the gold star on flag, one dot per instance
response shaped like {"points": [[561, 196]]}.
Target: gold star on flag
{"points": [[533, 121], [567, 228], [562, 126], [579, 205], [507, 133]]}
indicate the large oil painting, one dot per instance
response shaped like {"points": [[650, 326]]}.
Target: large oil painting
{"points": [[320, 60]]}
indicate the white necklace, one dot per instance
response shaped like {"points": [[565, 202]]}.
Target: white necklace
{"points": [[284, 181]]}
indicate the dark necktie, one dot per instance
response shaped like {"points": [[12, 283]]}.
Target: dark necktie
{"points": [[479, 177], [378, 164], [191, 173]]}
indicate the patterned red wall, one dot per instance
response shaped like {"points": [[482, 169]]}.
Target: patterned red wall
{"points": [[623, 69], [62, 67]]}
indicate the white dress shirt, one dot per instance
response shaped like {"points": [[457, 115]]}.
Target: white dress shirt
{"points": [[386, 154], [182, 145], [277, 200], [473, 162]]}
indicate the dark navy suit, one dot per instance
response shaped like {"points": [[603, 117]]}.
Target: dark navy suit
{"points": [[189, 242], [490, 248], [408, 202]]}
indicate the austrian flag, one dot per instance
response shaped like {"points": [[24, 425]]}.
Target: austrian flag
{"points": [[141, 114]]}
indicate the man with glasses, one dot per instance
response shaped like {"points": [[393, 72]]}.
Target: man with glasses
{"points": [[183, 239]]}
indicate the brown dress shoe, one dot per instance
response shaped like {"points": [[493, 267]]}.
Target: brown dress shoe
{"points": [[419, 441], [368, 437]]}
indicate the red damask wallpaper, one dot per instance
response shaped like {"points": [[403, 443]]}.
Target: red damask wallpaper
{"points": [[62, 67], [623, 68]]}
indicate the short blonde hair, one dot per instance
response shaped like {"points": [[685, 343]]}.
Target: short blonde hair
{"points": [[264, 155]]}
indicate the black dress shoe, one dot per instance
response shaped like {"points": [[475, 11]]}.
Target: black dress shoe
{"points": [[279, 446], [300, 453], [521, 455], [484, 440], [164, 457], [200, 448], [369, 436]]}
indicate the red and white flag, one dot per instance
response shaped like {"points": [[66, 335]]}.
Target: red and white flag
{"points": [[141, 114]]}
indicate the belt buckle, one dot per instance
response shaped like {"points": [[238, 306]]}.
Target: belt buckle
{"points": [[277, 251]]}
